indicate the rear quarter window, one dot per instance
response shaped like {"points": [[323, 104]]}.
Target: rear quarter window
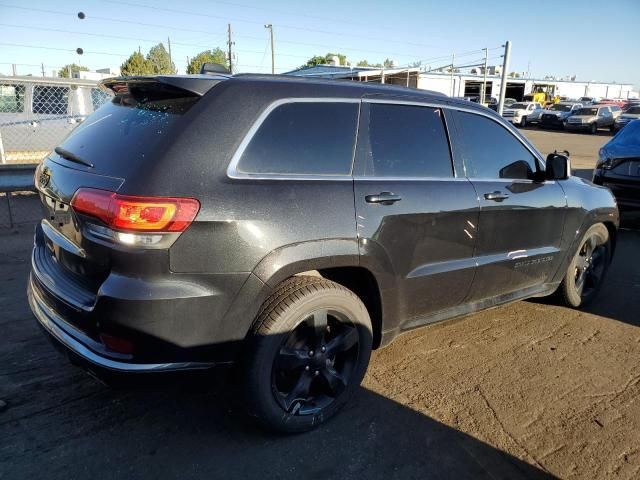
{"points": [[303, 138]]}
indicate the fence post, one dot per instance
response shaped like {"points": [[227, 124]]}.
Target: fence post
{"points": [[3, 158]]}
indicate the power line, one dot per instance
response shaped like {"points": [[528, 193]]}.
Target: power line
{"points": [[291, 27], [61, 49]]}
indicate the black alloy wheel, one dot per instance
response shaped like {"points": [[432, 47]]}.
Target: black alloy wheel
{"points": [[307, 354], [588, 267], [315, 363]]}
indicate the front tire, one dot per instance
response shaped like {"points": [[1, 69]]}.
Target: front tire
{"points": [[523, 122], [308, 352], [588, 267], [594, 128]]}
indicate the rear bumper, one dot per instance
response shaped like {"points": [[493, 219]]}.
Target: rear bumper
{"points": [[86, 352], [627, 192]]}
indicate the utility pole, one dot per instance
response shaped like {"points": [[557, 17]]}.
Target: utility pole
{"points": [[273, 55], [503, 83], [13, 69], [229, 44], [484, 80], [169, 47], [453, 59], [42, 67]]}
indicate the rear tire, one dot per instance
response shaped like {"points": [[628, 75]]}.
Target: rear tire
{"points": [[307, 354], [587, 269], [523, 122]]}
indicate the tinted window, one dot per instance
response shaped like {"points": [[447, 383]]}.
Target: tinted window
{"points": [[130, 128], [491, 151], [50, 100], [11, 98], [405, 141], [304, 138]]}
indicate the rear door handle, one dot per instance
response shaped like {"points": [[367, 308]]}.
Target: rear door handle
{"points": [[383, 198], [496, 196]]}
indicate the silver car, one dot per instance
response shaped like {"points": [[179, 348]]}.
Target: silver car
{"points": [[632, 113], [591, 119]]}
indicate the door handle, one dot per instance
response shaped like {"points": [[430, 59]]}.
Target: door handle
{"points": [[383, 198], [496, 196]]}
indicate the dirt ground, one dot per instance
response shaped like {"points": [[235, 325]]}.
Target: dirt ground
{"points": [[529, 390]]}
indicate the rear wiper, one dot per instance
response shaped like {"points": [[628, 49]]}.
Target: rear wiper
{"points": [[66, 154]]}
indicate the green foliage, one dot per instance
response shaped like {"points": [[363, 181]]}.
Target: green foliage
{"points": [[325, 59], [64, 71], [208, 56], [365, 63], [160, 61], [514, 75], [136, 64], [388, 63]]}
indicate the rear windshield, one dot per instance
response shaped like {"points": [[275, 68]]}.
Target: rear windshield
{"points": [[129, 128], [633, 110], [518, 106], [587, 111], [560, 108]]}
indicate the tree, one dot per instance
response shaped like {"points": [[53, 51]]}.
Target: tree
{"points": [[325, 59], [160, 61], [136, 64], [365, 63], [514, 75], [208, 56], [388, 63], [64, 71]]}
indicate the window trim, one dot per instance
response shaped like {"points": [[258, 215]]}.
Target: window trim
{"points": [[234, 173]]}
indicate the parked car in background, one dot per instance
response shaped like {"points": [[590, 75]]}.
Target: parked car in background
{"points": [[629, 115], [618, 166], [183, 230], [507, 102], [591, 119], [518, 112], [587, 100], [556, 116]]}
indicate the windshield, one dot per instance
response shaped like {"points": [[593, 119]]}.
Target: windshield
{"points": [[560, 108], [633, 110], [587, 111], [516, 106], [629, 135]]}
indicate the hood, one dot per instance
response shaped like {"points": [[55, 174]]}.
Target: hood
{"points": [[630, 116]]}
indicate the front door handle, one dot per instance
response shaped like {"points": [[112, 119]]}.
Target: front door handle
{"points": [[496, 196], [383, 198]]}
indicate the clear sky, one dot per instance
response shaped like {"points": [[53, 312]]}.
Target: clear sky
{"points": [[594, 40]]}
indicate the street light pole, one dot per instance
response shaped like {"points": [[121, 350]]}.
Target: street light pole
{"points": [[484, 80], [273, 56]]}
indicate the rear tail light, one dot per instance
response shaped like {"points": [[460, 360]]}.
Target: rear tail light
{"points": [[136, 214]]}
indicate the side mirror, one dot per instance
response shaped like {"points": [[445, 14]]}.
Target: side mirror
{"points": [[558, 166]]}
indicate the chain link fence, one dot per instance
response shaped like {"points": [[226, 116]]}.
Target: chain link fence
{"points": [[37, 114]]}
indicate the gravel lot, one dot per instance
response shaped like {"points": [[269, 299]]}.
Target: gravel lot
{"points": [[529, 390]]}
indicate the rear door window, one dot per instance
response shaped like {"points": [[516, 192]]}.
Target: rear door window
{"points": [[491, 151], [303, 138], [50, 100], [11, 98], [404, 141]]}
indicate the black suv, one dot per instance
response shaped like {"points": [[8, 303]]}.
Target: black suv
{"points": [[289, 226]]}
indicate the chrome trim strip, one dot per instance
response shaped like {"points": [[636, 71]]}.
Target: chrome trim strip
{"points": [[232, 169], [50, 320]]}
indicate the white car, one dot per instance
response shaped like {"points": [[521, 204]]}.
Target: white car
{"points": [[518, 112]]}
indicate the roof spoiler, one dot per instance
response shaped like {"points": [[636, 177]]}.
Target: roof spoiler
{"points": [[193, 84]]}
